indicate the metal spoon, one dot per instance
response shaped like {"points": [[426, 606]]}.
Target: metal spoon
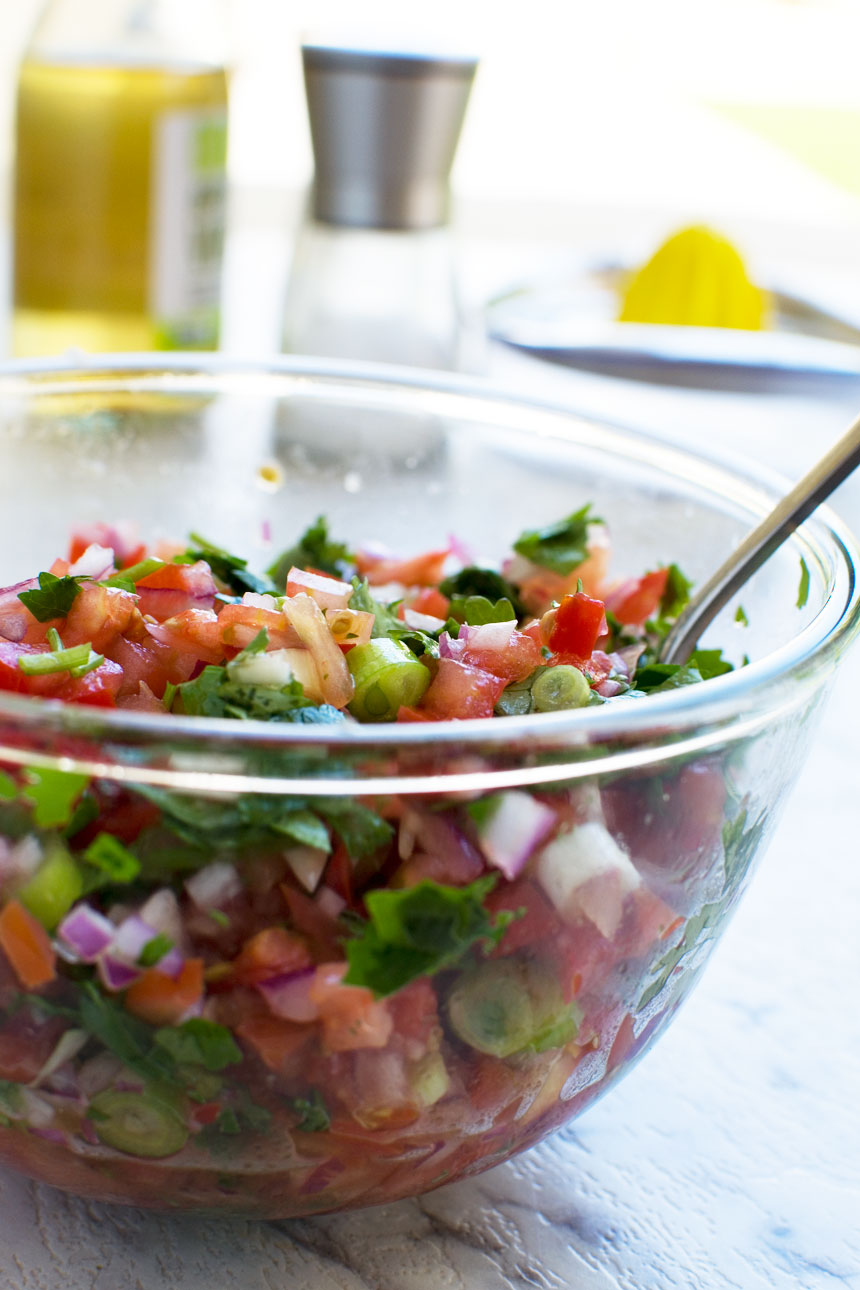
{"points": [[760, 544]]}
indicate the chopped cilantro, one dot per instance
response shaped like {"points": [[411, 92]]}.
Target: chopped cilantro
{"points": [[306, 828], [417, 931], [676, 593], [314, 550], [803, 586], [8, 787], [701, 666], [199, 1042], [315, 1117], [559, 547], [154, 950], [386, 622], [53, 598], [229, 569], [741, 617]]}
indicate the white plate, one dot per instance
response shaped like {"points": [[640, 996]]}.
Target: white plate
{"points": [[573, 323]]}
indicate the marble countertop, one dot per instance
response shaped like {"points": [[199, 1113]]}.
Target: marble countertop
{"points": [[730, 1157]]}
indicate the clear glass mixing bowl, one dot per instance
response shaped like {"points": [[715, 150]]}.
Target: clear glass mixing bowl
{"points": [[660, 805]]}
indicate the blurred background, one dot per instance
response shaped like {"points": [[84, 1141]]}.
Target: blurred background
{"points": [[592, 129]]}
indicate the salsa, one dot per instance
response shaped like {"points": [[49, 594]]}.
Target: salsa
{"points": [[283, 1005]]}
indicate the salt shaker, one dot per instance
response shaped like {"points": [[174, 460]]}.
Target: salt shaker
{"points": [[373, 273]]}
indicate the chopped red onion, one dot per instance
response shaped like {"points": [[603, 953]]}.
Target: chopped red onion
{"points": [[130, 938], [86, 932], [489, 636], [513, 830], [288, 996], [116, 974], [96, 562], [162, 912], [422, 622], [14, 617]]}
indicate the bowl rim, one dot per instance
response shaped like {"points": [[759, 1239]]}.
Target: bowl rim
{"points": [[821, 641]]}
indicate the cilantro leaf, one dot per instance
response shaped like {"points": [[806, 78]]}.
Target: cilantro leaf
{"points": [[304, 827], [676, 593], [8, 787], [123, 1035], [701, 666], [315, 1117], [154, 950], [559, 547], [417, 931], [361, 829], [213, 694], [474, 581], [803, 586], [199, 1042], [477, 610], [53, 598], [229, 569], [314, 550]]}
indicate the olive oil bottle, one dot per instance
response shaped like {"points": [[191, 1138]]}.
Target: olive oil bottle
{"points": [[120, 178]]}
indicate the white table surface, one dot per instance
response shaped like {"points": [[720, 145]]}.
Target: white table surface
{"points": [[730, 1157]]}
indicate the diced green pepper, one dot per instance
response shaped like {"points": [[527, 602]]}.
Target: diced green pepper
{"points": [[54, 887]]}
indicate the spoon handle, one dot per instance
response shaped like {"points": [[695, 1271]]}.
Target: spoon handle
{"points": [[760, 544]]}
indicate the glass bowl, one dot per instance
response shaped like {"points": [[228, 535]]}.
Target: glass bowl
{"points": [[279, 1091]]}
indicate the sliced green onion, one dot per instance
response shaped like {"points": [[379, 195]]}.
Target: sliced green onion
{"points": [[126, 578], [560, 687], [77, 660], [387, 675]]}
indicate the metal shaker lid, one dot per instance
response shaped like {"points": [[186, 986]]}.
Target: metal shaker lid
{"points": [[384, 128]]}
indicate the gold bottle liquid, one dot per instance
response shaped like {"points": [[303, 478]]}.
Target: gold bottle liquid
{"points": [[120, 190]]}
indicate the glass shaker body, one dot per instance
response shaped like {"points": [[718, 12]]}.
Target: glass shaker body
{"points": [[385, 295], [120, 177]]}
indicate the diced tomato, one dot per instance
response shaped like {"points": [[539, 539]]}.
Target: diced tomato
{"points": [[459, 691], [671, 821], [270, 953], [151, 662], [430, 600], [412, 714], [514, 662], [339, 874], [98, 688], [27, 946], [636, 600], [194, 631], [163, 1000], [418, 571], [328, 592], [98, 615], [351, 1017], [319, 927], [119, 537], [239, 624], [26, 1042], [576, 625], [276, 1042], [176, 587], [415, 1011]]}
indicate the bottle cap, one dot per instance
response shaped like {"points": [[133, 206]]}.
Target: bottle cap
{"points": [[384, 128]]}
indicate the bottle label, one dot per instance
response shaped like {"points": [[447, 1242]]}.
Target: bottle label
{"points": [[189, 187]]}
